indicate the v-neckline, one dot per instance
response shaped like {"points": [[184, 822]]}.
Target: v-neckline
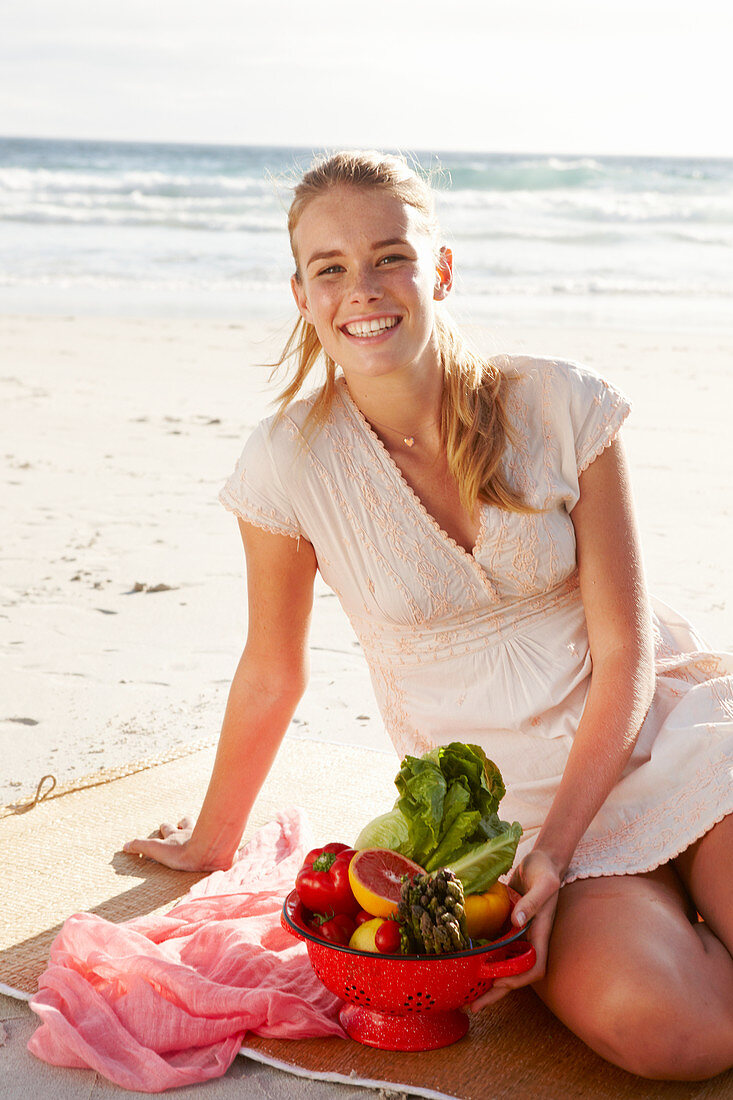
{"points": [[410, 492]]}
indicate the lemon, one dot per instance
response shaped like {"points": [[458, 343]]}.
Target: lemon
{"points": [[363, 938]]}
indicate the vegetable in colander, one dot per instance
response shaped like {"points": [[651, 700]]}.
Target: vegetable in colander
{"points": [[446, 816], [431, 914]]}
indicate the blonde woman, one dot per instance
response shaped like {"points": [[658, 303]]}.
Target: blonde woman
{"points": [[475, 519]]}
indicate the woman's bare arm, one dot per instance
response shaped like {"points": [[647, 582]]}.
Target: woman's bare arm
{"points": [[270, 679], [620, 635], [621, 690]]}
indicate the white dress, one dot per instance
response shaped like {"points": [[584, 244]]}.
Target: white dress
{"points": [[491, 647]]}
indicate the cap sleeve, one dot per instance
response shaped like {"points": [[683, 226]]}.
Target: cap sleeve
{"points": [[586, 415], [255, 491], [597, 411]]}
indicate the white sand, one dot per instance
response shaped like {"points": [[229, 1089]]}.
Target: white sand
{"points": [[117, 435]]}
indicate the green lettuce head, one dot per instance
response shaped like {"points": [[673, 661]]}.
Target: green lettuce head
{"points": [[446, 814]]}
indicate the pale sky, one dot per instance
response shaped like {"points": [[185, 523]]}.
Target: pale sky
{"points": [[568, 76]]}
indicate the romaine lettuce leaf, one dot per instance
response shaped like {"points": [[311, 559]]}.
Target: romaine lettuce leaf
{"points": [[481, 867], [454, 842], [422, 788], [446, 813]]}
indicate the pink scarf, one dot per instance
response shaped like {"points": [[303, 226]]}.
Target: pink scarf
{"points": [[164, 1001]]}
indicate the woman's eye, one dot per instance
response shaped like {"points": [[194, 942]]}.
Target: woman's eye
{"points": [[331, 270], [391, 259]]}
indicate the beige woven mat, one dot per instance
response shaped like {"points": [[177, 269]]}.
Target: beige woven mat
{"points": [[63, 856], [516, 1050]]}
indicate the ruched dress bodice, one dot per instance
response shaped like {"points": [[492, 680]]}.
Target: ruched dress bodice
{"points": [[492, 646]]}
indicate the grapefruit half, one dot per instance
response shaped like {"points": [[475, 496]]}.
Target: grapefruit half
{"points": [[375, 875]]}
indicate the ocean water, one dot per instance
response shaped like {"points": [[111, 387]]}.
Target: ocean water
{"points": [[124, 228]]}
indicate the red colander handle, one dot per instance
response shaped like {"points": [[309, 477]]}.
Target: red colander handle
{"points": [[521, 960]]}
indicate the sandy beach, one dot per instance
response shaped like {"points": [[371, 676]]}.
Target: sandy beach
{"points": [[123, 598]]}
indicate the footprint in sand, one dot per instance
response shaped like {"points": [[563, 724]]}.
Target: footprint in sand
{"points": [[140, 587]]}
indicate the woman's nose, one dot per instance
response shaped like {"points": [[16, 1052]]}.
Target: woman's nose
{"points": [[366, 284]]}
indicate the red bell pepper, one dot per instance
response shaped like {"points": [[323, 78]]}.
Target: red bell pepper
{"points": [[322, 883], [338, 929]]}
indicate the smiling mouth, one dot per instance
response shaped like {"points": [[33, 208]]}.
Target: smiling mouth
{"points": [[369, 329]]}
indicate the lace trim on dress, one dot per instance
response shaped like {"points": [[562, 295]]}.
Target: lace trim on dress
{"points": [[446, 639], [609, 429], [402, 732], [662, 832], [360, 478], [431, 520], [266, 520]]}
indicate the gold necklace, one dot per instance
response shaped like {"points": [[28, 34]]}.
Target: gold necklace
{"points": [[408, 440]]}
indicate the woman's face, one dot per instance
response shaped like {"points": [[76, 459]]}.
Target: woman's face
{"points": [[368, 280]]}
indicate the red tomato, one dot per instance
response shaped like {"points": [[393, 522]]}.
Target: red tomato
{"points": [[387, 938], [362, 916]]}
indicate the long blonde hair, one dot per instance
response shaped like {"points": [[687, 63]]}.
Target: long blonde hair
{"points": [[474, 422]]}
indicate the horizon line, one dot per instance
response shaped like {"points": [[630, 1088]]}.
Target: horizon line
{"points": [[326, 147]]}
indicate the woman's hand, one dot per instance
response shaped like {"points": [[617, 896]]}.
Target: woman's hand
{"points": [[172, 850], [538, 880]]}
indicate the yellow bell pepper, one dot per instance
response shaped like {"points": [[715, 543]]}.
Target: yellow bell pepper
{"points": [[487, 912]]}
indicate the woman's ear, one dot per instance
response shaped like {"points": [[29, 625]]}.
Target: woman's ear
{"points": [[300, 299], [443, 274]]}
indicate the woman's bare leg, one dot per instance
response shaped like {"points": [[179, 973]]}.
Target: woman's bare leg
{"points": [[706, 868], [637, 980]]}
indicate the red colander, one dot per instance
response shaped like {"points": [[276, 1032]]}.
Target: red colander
{"points": [[408, 1002]]}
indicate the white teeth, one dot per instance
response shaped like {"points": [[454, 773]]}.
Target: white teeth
{"points": [[371, 328]]}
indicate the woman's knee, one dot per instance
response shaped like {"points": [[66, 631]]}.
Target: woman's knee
{"points": [[635, 980], [655, 1036]]}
